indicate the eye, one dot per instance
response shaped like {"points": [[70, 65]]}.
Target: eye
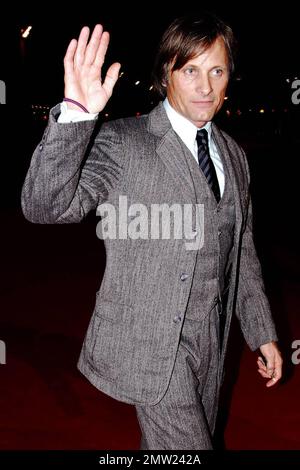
{"points": [[190, 71], [218, 72]]}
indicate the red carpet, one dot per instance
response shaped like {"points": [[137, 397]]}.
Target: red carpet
{"points": [[51, 274]]}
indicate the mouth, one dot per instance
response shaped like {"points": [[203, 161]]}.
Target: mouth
{"points": [[202, 104]]}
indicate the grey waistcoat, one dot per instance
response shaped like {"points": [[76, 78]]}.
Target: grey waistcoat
{"points": [[213, 263]]}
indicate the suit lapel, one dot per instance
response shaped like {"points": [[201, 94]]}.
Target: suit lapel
{"points": [[229, 159], [169, 149]]}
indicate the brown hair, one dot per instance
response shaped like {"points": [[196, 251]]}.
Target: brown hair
{"points": [[183, 40]]}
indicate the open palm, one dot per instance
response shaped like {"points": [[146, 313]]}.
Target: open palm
{"points": [[83, 63]]}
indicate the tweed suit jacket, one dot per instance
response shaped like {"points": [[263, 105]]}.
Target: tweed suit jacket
{"points": [[131, 342]]}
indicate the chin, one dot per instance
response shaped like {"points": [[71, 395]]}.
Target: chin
{"points": [[204, 118]]}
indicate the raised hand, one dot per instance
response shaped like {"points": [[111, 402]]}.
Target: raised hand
{"points": [[83, 63]]}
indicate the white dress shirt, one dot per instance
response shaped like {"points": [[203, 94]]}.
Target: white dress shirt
{"points": [[186, 130]]}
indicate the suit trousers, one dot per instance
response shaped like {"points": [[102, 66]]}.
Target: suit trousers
{"points": [[184, 419]]}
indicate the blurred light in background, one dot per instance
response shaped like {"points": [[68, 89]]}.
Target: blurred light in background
{"points": [[25, 32]]}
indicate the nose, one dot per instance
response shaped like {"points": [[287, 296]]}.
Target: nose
{"points": [[203, 85]]}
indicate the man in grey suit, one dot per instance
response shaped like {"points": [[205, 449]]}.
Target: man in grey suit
{"points": [[158, 334]]}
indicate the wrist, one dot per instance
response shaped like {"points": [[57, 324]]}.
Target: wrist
{"points": [[75, 105]]}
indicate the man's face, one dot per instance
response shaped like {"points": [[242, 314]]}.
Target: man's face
{"points": [[197, 90]]}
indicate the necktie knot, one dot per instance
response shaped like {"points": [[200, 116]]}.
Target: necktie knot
{"points": [[202, 138]]}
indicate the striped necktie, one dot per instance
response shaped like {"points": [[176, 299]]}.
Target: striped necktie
{"points": [[206, 163]]}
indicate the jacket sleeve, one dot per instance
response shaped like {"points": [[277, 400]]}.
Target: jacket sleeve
{"points": [[72, 170], [252, 306]]}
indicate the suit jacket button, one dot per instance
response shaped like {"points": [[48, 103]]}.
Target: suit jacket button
{"points": [[183, 276], [41, 147], [177, 319]]}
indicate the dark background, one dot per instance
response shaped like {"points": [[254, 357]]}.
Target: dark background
{"points": [[50, 274], [32, 68]]}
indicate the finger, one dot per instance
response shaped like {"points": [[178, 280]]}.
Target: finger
{"points": [[81, 46], [272, 382], [111, 78], [275, 377], [102, 48], [261, 363], [93, 45], [69, 56], [262, 369], [263, 374], [278, 370], [270, 366]]}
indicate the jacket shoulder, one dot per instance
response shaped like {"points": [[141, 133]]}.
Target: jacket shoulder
{"points": [[237, 152], [232, 142], [128, 125]]}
